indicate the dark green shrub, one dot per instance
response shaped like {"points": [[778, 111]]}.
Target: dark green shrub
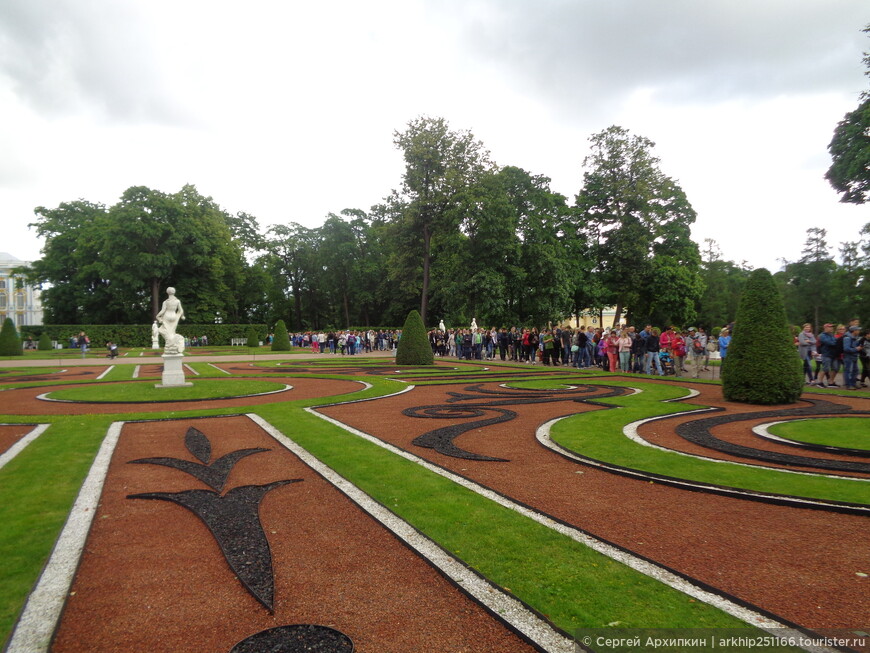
{"points": [[44, 343], [10, 343], [762, 366], [414, 347], [139, 335], [253, 337], [281, 342]]}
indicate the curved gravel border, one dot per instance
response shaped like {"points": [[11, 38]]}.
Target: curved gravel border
{"points": [[762, 432], [543, 436]]}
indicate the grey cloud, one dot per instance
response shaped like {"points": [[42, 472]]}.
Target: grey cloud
{"points": [[579, 53], [64, 56]]}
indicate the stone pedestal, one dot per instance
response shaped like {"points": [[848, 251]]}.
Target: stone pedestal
{"points": [[173, 372]]}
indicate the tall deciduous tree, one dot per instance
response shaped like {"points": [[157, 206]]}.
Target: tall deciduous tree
{"points": [[440, 164], [639, 220], [73, 286], [849, 173]]}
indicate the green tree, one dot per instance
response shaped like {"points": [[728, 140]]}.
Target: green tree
{"points": [[849, 173], [638, 221], [73, 287], [762, 366], [414, 347], [293, 248], [10, 341], [281, 341], [723, 286], [440, 165], [44, 343], [109, 267]]}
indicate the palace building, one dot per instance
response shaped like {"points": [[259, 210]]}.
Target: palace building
{"points": [[18, 299]]}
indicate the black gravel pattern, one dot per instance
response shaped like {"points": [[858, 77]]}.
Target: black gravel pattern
{"points": [[487, 401], [698, 432], [300, 638], [212, 474], [233, 519]]}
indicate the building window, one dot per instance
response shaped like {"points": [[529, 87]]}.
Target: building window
{"points": [[2, 284], [2, 301], [20, 301]]}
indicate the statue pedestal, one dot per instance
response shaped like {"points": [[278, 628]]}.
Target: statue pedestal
{"points": [[173, 372]]}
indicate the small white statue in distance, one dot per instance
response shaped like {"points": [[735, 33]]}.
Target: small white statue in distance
{"points": [[155, 337], [168, 318], [474, 324], [441, 326]]}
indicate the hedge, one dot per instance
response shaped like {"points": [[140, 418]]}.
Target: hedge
{"points": [[139, 335]]}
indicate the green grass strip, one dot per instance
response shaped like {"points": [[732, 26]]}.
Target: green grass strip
{"points": [[145, 390], [598, 435], [38, 488], [848, 432]]}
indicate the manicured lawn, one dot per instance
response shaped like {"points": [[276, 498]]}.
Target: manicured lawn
{"points": [[145, 390], [848, 432]]}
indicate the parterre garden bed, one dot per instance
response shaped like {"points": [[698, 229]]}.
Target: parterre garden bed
{"points": [[534, 504]]}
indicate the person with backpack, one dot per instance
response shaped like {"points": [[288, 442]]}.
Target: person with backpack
{"points": [[678, 351], [696, 346]]}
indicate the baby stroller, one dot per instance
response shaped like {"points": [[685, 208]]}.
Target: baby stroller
{"points": [[667, 363]]}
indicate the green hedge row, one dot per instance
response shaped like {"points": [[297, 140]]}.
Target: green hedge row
{"points": [[139, 335]]}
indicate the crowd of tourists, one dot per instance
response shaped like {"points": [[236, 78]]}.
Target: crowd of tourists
{"points": [[651, 350], [345, 343], [625, 348], [836, 348]]}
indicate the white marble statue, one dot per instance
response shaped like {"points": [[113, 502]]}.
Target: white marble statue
{"points": [[155, 336], [168, 317], [473, 324], [441, 326]]}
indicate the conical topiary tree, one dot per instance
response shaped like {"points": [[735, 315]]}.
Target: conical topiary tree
{"points": [[281, 342], [10, 343], [414, 347], [762, 365], [253, 338], [44, 343]]}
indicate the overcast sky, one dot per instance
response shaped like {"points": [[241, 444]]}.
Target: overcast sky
{"points": [[287, 110]]}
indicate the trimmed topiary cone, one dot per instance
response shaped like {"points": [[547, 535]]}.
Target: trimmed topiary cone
{"points": [[414, 347], [10, 343], [44, 343], [762, 365], [281, 342], [253, 338]]}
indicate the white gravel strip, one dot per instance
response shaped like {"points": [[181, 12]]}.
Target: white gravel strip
{"points": [[220, 369], [37, 623], [498, 601], [19, 446], [192, 371], [136, 371], [638, 564], [106, 371]]}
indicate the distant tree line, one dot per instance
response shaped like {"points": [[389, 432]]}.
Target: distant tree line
{"points": [[460, 237]]}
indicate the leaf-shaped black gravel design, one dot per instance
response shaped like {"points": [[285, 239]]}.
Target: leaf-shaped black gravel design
{"points": [[198, 444], [214, 475], [234, 521]]}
